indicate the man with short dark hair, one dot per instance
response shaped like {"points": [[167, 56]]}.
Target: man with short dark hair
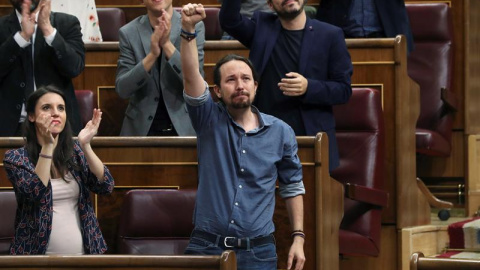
{"points": [[303, 64], [241, 153], [37, 48]]}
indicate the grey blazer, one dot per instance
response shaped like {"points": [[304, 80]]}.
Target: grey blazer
{"points": [[142, 88]]}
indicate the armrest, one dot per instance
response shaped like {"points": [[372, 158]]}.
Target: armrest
{"points": [[449, 99], [366, 194]]}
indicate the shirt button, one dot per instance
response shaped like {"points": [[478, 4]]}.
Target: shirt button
{"points": [[22, 84], [150, 118], [240, 186], [232, 221], [156, 99], [236, 203], [243, 151], [242, 170]]}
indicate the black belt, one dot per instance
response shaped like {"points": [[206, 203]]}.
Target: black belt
{"points": [[234, 242]]}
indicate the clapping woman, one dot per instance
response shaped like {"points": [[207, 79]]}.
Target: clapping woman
{"points": [[53, 175]]}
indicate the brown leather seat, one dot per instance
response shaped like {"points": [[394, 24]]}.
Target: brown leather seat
{"points": [[431, 66], [86, 103], [213, 31], [361, 144], [8, 208], [110, 20], [156, 221]]}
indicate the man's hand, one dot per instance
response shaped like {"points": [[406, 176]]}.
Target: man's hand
{"points": [[28, 21], [166, 21], [296, 254], [191, 15], [44, 10], [293, 85], [158, 33]]}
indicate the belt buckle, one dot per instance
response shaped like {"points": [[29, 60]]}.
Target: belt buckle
{"points": [[170, 128], [225, 241]]}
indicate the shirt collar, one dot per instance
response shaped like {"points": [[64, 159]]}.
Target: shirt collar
{"points": [[263, 121]]}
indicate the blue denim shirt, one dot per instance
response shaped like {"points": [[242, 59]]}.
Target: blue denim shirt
{"points": [[364, 19], [238, 170]]}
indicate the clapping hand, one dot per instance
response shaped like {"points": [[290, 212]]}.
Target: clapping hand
{"points": [[28, 21], [44, 10], [91, 128]]}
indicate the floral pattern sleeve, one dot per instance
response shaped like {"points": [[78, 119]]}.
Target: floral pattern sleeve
{"points": [[86, 12], [99, 186], [21, 173]]}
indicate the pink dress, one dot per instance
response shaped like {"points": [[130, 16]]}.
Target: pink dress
{"points": [[66, 236]]}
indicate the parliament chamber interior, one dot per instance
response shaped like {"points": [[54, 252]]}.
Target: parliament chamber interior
{"points": [[416, 178]]}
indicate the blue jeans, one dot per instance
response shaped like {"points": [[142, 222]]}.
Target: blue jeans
{"points": [[262, 257]]}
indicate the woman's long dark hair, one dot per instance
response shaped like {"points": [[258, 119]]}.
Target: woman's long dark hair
{"points": [[63, 153]]}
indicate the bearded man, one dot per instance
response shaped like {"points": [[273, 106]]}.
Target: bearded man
{"points": [[303, 65]]}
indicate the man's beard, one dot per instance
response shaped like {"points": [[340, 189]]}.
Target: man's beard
{"points": [[18, 5], [241, 104], [290, 15]]}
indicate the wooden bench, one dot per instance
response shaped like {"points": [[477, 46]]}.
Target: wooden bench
{"points": [[225, 261]]}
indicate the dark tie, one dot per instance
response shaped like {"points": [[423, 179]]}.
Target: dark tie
{"points": [[29, 84]]}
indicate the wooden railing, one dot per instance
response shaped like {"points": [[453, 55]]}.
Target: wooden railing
{"points": [[419, 262], [225, 261]]}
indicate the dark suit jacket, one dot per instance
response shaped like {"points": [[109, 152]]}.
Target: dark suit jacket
{"points": [[392, 15], [324, 61], [55, 65]]}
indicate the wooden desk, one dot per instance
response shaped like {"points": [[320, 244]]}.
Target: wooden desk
{"points": [[171, 163]]}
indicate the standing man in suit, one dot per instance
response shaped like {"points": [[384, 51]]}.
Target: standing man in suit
{"points": [[303, 64], [37, 47], [149, 73], [367, 18]]}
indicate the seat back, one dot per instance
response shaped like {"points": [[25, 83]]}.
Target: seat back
{"points": [[110, 20], [431, 66], [156, 221], [361, 144], [213, 30], [8, 208], [86, 103]]}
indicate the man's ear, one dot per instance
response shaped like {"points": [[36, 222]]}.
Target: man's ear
{"points": [[270, 4], [216, 89]]}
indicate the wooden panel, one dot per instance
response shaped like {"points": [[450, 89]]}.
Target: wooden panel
{"points": [[387, 258], [430, 240], [473, 175], [472, 77]]}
